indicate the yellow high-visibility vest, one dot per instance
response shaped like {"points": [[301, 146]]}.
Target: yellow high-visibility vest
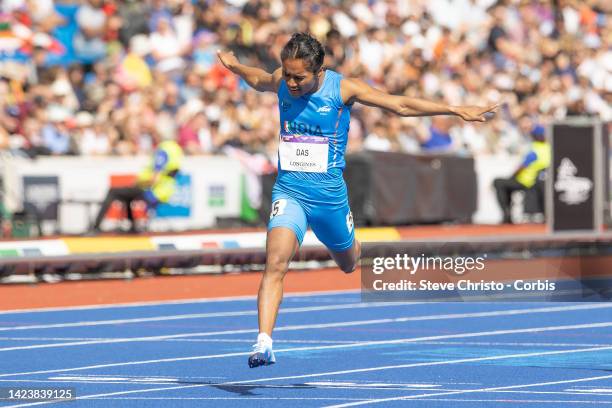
{"points": [[528, 176], [166, 182]]}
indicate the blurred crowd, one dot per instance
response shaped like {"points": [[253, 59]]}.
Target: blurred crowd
{"points": [[116, 77]]}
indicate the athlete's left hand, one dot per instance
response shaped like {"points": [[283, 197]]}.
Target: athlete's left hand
{"points": [[476, 113]]}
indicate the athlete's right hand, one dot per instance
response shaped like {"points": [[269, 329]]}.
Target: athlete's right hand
{"points": [[228, 59]]}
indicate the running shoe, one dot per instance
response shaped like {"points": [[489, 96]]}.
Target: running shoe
{"points": [[262, 354]]}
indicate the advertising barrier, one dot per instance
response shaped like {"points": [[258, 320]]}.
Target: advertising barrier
{"points": [[65, 192], [575, 196]]}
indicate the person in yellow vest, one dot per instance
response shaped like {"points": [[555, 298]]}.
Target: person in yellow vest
{"points": [[155, 184], [528, 176]]}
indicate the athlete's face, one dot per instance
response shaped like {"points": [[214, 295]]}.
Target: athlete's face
{"points": [[300, 80]]}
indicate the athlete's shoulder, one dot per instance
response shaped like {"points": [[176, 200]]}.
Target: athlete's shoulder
{"points": [[333, 74], [351, 87], [277, 78]]}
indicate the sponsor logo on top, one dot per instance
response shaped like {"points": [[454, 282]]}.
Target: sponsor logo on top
{"points": [[324, 110]]}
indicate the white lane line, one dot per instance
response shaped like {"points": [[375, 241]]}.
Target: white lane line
{"points": [[350, 399], [230, 340], [522, 401], [361, 370], [439, 394], [515, 344], [177, 302], [84, 380], [149, 376], [496, 313], [302, 341], [253, 312], [233, 398], [382, 387], [250, 312], [336, 346], [595, 391]]}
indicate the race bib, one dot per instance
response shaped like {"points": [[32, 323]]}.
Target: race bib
{"points": [[304, 153]]}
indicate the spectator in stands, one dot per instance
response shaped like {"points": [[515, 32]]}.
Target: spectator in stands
{"points": [[193, 137], [89, 43], [55, 134], [545, 59], [528, 177], [90, 136], [134, 72], [439, 138], [378, 139], [165, 45], [133, 20]]}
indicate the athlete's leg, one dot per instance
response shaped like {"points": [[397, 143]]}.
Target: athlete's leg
{"points": [[347, 260], [333, 226], [285, 234], [281, 246]]}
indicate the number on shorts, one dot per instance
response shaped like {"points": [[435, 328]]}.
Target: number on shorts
{"points": [[349, 221], [278, 207]]}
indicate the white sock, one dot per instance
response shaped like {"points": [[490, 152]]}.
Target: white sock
{"points": [[265, 338]]}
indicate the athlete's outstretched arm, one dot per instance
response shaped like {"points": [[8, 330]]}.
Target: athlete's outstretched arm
{"points": [[255, 77], [356, 90]]}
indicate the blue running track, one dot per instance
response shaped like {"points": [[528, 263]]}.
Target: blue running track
{"points": [[331, 350]]}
